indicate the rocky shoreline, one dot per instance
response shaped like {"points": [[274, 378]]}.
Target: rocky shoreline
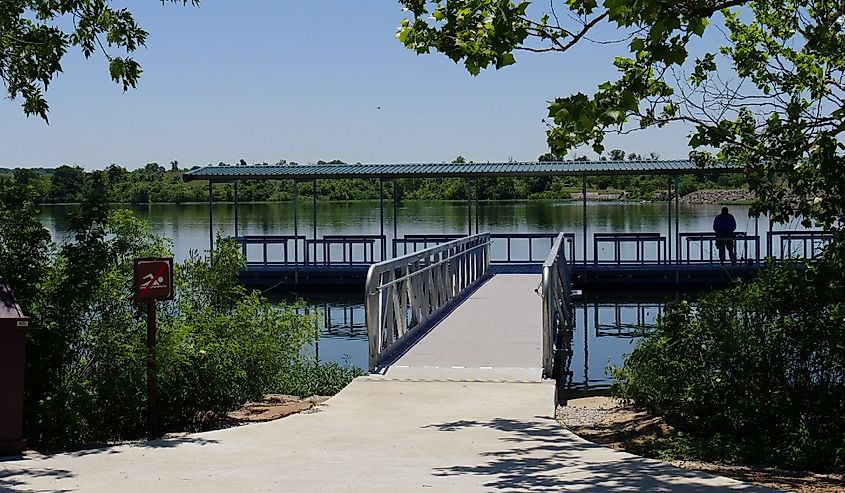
{"points": [[737, 196], [718, 197], [709, 197]]}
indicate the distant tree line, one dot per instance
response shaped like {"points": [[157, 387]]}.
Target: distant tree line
{"points": [[154, 183]]}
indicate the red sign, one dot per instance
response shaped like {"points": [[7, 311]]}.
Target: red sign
{"points": [[154, 279]]}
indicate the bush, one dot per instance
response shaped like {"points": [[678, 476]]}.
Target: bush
{"points": [[218, 346], [755, 373], [305, 378]]}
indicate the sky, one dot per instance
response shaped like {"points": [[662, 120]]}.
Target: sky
{"points": [[266, 80]]}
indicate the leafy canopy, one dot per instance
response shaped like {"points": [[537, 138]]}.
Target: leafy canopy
{"points": [[36, 34], [765, 90]]}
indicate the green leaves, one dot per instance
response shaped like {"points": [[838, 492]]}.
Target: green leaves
{"points": [[480, 33], [31, 50], [743, 370], [769, 98], [125, 71]]}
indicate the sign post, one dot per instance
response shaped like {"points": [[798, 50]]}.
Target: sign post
{"points": [[153, 281]]}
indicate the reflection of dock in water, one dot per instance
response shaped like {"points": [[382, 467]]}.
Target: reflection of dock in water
{"points": [[625, 319]]}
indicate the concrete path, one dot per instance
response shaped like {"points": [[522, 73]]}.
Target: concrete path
{"points": [[377, 435], [495, 334]]}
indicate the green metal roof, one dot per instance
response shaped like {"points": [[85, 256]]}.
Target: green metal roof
{"points": [[467, 170]]}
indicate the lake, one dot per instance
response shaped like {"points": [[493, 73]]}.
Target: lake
{"points": [[605, 331]]}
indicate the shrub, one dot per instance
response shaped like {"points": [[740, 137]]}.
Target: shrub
{"points": [[305, 378], [755, 373], [219, 345]]}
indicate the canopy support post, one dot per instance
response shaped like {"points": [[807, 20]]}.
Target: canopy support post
{"points": [[669, 233], [769, 242], [677, 232], [236, 209], [584, 212], [469, 208], [210, 221], [395, 209], [381, 218], [477, 214], [295, 232], [314, 214], [677, 221]]}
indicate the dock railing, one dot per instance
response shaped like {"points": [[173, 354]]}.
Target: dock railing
{"points": [[533, 244], [506, 248], [643, 245], [608, 249], [343, 250], [798, 244], [404, 293], [288, 249], [415, 242], [558, 318], [747, 247]]}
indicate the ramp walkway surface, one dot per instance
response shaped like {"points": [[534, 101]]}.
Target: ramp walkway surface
{"points": [[377, 435], [461, 409], [494, 334]]}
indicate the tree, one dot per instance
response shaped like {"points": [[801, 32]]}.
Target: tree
{"points": [[174, 165], [549, 157], [24, 176], [68, 183], [617, 155], [771, 98], [24, 242], [36, 34], [154, 171]]}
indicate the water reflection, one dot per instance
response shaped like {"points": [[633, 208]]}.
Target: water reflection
{"points": [[342, 326], [615, 319], [607, 328]]}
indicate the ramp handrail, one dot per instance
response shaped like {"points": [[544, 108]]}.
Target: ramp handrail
{"points": [[403, 293], [558, 318]]}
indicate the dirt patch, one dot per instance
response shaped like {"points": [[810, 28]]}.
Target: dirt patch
{"points": [[274, 406], [604, 421]]}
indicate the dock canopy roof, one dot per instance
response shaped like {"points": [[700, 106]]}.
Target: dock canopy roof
{"points": [[453, 170]]}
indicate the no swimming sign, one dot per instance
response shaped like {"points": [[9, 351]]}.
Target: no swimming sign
{"points": [[153, 279]]}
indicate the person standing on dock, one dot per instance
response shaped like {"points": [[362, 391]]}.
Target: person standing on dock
{"points": [[724, 226]]}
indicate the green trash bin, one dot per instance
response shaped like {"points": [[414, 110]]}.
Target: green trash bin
{"points": [[13, 327]]}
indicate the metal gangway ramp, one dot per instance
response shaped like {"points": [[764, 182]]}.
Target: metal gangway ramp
{"points": [[446, 313]]}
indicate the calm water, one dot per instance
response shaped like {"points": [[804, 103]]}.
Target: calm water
{"points": [[187, 225], [606, 330]]}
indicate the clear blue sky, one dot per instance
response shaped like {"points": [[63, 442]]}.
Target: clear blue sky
{"points": [[265, 80]]}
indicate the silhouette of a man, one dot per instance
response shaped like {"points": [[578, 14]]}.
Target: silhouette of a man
{"points": [[724, 226]]}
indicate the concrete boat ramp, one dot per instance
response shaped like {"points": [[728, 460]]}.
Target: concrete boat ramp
{"points": [[454, 412]]}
